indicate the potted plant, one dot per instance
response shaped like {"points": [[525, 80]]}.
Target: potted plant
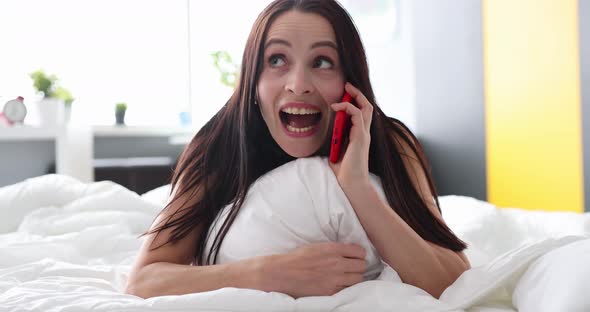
{"points": [[51, 106], [65, 95], [120, 109]]}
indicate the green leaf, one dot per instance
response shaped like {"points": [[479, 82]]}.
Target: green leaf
{"points": [[121, 106], [64, 94], [43, 83], [228, 70]]}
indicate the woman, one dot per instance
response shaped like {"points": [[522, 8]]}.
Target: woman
{"points": [[299, 51]]}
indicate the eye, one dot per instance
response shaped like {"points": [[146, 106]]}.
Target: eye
{"points": [[323, 62], [276, 60]]}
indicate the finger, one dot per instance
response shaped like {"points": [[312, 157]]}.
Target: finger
{"points": [[354, 265], [362, 102], [335, 290], [352, 251], [348, 107], [357, 95], [349, 279], [355, 113]]}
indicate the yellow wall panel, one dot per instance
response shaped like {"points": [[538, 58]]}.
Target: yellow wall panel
{"points": [[533, 113]]}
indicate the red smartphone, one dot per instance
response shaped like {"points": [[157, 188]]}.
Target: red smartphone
{"points": [[341, 127]]}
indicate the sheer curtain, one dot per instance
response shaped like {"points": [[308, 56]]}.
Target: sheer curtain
{"points": [[103, 51], [155, 55], [225, 25]]}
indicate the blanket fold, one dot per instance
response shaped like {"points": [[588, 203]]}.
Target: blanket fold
{"points": [[68, 246]]}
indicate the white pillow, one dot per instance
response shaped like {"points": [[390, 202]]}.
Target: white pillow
{"points": [[557, 281], [158, 195]]}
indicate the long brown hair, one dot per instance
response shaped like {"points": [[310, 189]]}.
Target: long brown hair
{"points": [[234, 148]]}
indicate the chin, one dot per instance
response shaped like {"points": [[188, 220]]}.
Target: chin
{"points": [[299, 151]]}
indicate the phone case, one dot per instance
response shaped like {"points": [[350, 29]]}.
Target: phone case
{"points": [[341, 127]]}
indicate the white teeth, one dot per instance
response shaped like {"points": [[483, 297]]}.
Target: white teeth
{"points": [[300, 111], [298, 130]]}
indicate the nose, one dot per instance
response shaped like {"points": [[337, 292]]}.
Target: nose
{"points": [[299, 82]]}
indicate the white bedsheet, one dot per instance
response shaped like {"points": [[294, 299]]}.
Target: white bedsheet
{"points": [[67, 246]]}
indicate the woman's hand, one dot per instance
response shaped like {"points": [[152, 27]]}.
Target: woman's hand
{"points": [[320, 269], [354, 165]]}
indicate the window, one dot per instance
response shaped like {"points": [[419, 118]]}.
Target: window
{"points": [[225, 25], [154, 55], [217, 26], [103, 51]]}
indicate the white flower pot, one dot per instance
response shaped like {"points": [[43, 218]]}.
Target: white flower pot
{"points": [[67, 113], [51, 111]]}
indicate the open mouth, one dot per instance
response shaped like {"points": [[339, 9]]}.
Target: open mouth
{"points": [[300, 120]]}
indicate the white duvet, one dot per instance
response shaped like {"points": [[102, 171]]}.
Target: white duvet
{"points": [[68, 246]]}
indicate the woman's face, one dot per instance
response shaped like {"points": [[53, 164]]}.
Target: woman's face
{"points": [[301, 77]]}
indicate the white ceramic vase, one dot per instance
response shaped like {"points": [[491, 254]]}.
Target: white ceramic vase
{"points": [[67, 113], [51, 111]]}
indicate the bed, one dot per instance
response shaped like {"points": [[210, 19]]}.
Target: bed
{"points": [[68, 246]]}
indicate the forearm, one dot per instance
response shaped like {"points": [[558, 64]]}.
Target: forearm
{"points": [[161, 278], [418, 262]]}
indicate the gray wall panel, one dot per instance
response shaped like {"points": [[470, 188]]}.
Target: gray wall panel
{"points": [[23, 160], [450, 104], [116, 147]]}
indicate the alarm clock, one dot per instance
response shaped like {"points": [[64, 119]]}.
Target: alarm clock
{"points": [[15, 110]]}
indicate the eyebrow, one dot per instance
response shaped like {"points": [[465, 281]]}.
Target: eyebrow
{"points": [[325, 43]]}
